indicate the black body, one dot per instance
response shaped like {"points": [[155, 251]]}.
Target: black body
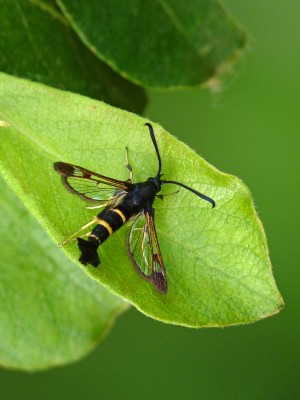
{"points": [[138, 197]]}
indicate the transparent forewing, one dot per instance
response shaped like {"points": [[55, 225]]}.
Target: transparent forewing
{"points": [[89, 185], [145, 252], [139, 245]]}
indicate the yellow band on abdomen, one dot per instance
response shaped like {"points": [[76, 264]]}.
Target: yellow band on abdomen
{"points": [[106, 225], [119, 212]]}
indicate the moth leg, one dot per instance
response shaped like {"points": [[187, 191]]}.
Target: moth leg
{"points": [[75, 235], [85, 235], [128, 166]]}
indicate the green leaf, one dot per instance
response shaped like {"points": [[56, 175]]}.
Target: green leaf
{"points": [[38, 43], [159, 44], [217, 262], [51, 312]]}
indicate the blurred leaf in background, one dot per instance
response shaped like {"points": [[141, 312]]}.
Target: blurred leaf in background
{"points": [[38, 43], [51, 313], [159, 44]]}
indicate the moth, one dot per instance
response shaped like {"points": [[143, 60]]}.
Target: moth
{"points": [[122, 201]]}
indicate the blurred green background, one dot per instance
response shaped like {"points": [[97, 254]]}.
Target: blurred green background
{"points": [[250, 129]]}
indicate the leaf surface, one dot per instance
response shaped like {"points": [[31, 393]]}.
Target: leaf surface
{"points": [[217, 262]]}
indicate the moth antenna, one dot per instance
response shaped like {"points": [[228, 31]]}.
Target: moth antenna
{"points": [[155, 145], [193, 191]]}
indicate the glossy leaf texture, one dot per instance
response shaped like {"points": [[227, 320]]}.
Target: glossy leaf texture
{"points": [[159, 44], [51, 312], [38, 43], [217, 260]]}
